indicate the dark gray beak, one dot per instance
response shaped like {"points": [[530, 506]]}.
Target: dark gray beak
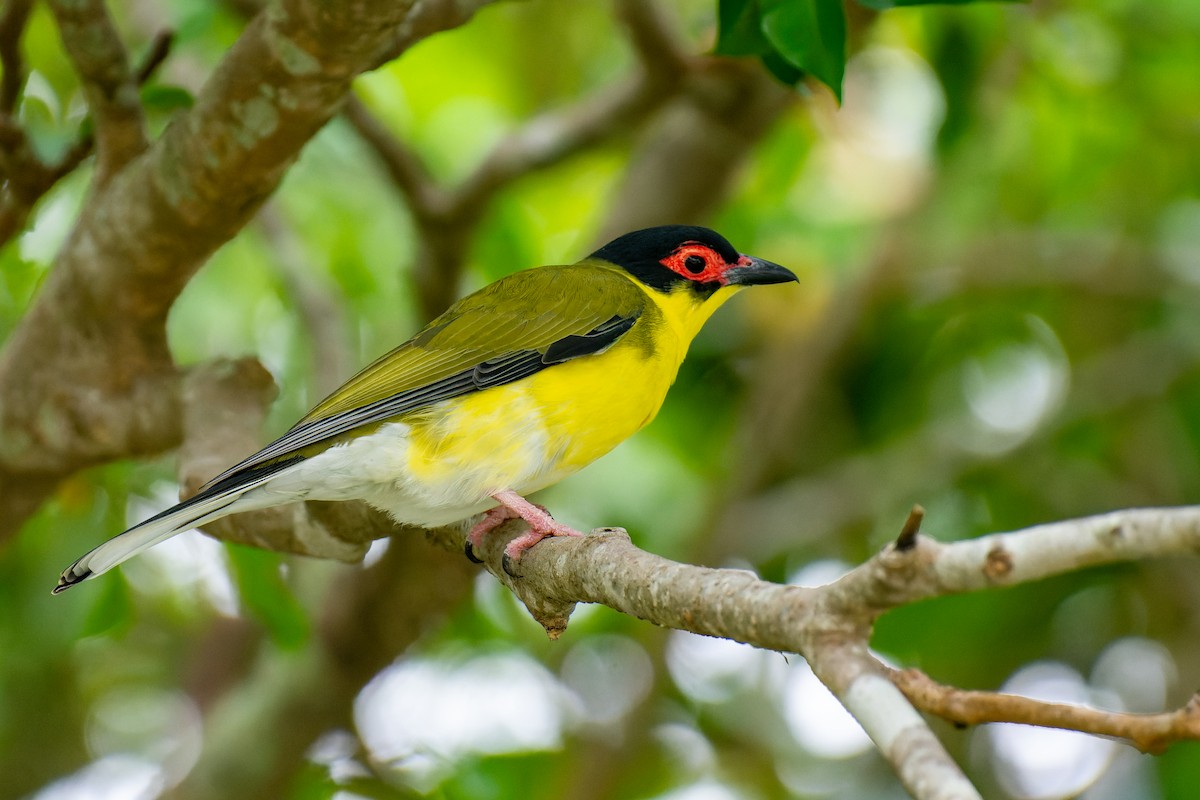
{"points": [[751, 271]]}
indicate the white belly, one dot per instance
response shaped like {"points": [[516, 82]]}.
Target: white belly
{"points": [[414, 479]]}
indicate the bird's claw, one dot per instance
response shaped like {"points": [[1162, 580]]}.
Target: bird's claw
{"points": [[508, 562], [469, 552]]}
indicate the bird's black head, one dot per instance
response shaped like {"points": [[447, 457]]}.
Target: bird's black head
{"points": [[672, 256]]}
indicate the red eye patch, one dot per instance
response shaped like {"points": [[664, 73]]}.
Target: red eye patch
{"points": [[696, 262]]}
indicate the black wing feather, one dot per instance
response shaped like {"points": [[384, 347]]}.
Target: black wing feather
{"points": [[493, 372], [599, 338]]}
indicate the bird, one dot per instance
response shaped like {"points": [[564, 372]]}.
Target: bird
{"points": [[513, 388]]}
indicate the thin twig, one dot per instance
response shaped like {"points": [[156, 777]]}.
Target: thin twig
{"points": [[71, 159], [555, 136], [904, 739], [160, 48], [318, 303], [446, 217], [912, 526], [655, 38], [95, 48], [1150, 733], [28, 178], [12, 26], [406, 169]]}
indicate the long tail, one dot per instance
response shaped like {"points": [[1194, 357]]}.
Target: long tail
{"points": [[213, 502]]}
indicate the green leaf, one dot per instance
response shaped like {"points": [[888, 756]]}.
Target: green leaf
{"points": [[43, 128], [165, 99], [782, 69], [882, 5], [810, 35], [739, 29], [266, 597]]}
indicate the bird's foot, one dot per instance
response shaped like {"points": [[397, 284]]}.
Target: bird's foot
{"points": [[517, 547], [541, 525], [493, 518], [513, 506]]}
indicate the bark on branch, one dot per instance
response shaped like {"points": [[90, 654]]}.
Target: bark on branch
{"points": [[1150, 733], [831, 625], [87, 376], [94, 46]]}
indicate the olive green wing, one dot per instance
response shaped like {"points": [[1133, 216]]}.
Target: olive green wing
{"points": [[506, 331]]}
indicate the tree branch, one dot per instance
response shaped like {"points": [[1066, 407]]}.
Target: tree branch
{"points": [[446, 217], [91, 40], [12, 26], [904, 739], [831, 625], [224, 405], [550, 138], [676, 175], [27, 178], [819, 624], [406, 169], [317, 301], [87, 376], [1150, 733], [1004, 559], [655, 39], [160, 48]]}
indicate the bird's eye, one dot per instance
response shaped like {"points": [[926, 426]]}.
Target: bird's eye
{"points": [[695, 264]]}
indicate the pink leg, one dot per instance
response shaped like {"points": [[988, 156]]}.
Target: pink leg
{"points": [[492, 519], [541, 524], [512, 505]]}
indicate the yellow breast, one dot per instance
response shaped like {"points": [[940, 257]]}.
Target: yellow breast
{"points": [[531, 433], [591, 405]]}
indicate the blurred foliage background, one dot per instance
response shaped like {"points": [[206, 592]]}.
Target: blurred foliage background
{"points": [[998, 238]]}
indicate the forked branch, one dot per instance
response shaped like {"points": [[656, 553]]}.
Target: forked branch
{"points": [[831, 625]]}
